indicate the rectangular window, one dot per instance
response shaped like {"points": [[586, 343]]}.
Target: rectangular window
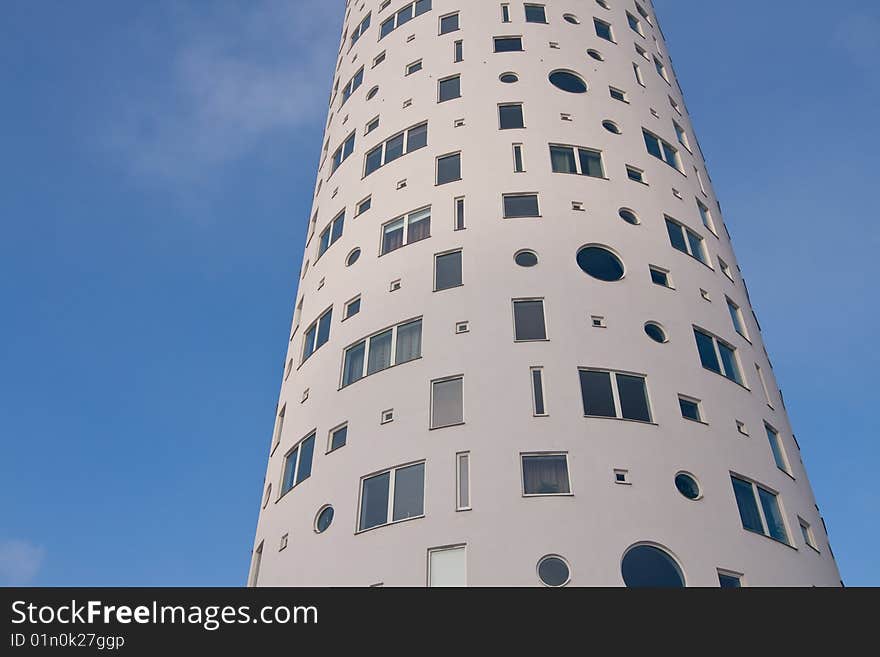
{"points": [[681, 135], [518, 158], [643, 13], [415, 67], [537, 376], [535, 14], [510, 117], [392, 496], [778, 450], [395, 147], [528, 320], [352, 308], [360, 29], [394, 346], [636, 175], [458, 52], [660, 277], [706, 216], [407, 229], [737, 318], [662, 150], [447, 270], [642, 52], [764, 387], [634, 24], [728, 580], [685, 240], [725, 268], [338, 438], [718, 356], [447, 566], [603, 30], [279, 425], [759, 509], [341, 154], [614, 395], [363, 206], [463, 481], [617, 94], [577, 160], [690, 408], [255, 570], [661, 70], [459, 213], [448, 89], [508, 44], [447, 402], [403, 16], [638, 73], [520, 205], [807, 534], [298, 463], [448, 168], [505, 13], [317, 334], [331, 233], [449, 23], [352, 85], [545, 474], [378, 59]]}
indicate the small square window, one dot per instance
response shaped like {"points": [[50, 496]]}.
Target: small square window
{"points": [[338, 437], [305, 395], [414, 67], [621, 477], [729, 580], [617, 94], [352, 308], [448, 168], [577, 206], [387, 416], [660, 277], [598, 321], [449, 89], [636, 175], [449, 23], [395, 285], [690, 408], [283, 543], [705, 294], [462, 327], [741, 427]]}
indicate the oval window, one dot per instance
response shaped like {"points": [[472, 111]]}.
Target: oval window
{"points": [[526, 258], [568, 81], [687, 485], [324, 518], [655, 332], [352, 257], [628, 216], [553, 571], [611, 126], [508, 78], [372, 93], [571, 18], [648, 566], [595, 54], [600, 263]]}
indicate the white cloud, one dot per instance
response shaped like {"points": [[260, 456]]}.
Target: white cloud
{"points": [[236, 74], [20, 562]]}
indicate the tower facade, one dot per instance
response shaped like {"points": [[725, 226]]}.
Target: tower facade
{"points": [[522, 350]]}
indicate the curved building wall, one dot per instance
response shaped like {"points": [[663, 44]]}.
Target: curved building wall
{"points": [[590, 325]]}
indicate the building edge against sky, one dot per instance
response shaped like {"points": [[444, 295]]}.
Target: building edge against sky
{"points": [[522, 350]]}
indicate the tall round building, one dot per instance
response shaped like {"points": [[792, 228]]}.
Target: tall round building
{"points": [[522, 351]]}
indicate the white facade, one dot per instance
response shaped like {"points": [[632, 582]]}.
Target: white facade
{"points": [[496, 533]]}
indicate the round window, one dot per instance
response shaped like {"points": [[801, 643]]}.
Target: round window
{"points": [[568, 81], [553, 571], [603, 4], [595, 54], [526, 258], [648, 566], [571, 18], [628, 216], [372, 93], [655, 332], [508, 78], [352, 257], [687, 485], [600, 263], [324, 518], [611, 126]]}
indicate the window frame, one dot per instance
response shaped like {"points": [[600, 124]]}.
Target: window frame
{"points": [[365, 341], [389, 512], [295, 480], [539, 371], [316, 324], [383, 146], [447, 156], [440, 82], [442, 254], [504, 198], [686, 232], [576, 154], [333, 432], [459, 457], [765, 531], [406, 226], [433, 383], [522, 473], [664, 147], [615, 395], [715, 342], [510, 37], [517, 300]]}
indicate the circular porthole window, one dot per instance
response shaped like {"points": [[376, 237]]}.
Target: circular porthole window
{"points": [[611, 126], [372, 93], [628, 216], [553, 571], [687, 486], [571, 18], [595, 54], [600, 263], [649, 566], [568, 81], [323, 519], [526, 258], [508, 78], [353, 257], [655, 332]]}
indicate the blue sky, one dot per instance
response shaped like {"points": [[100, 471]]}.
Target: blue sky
{"points": [[157, 166]]}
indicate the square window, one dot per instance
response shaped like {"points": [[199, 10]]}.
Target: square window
{"points": [[414, 67], [636, 175], [603, 30], [352, 308], [449, 89], [447, 270], [535, 14], [449, 23], [448, 168], [690, 408], [728, 580], [545, 474], [617, 94], [510, 117], [447, 402], [338, 438], [660, 277]]}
